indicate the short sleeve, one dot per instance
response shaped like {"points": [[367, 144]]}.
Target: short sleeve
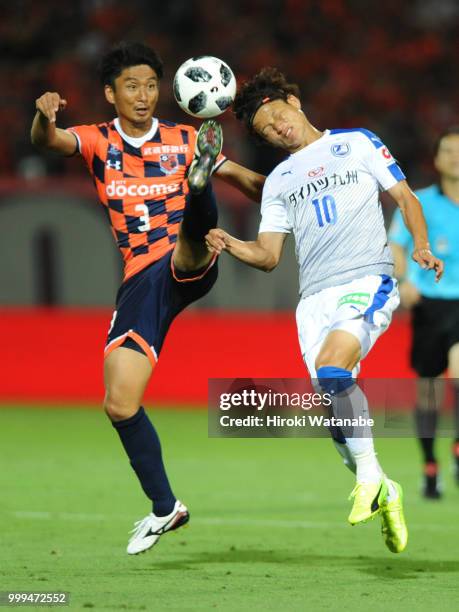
{"points": [[380, 162], [273, 213], [86, 136], [192, 134], [398, 232]]}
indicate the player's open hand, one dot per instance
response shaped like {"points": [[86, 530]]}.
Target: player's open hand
{"points": [[428, 261], [217, 240], [49, 104]]}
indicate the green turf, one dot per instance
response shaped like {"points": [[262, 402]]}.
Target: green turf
{"points": [[268, 527]]}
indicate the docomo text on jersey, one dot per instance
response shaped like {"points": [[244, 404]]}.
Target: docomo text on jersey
{"points": [[121, 189]]}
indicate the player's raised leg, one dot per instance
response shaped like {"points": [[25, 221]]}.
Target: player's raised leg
{"points": [[126, 374], [200, 214]]}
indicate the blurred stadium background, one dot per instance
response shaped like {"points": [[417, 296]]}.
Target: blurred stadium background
{"points": [[389, 66]]}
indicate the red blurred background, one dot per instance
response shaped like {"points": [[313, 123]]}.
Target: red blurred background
{"points": [[387, 66], [55, 355]]}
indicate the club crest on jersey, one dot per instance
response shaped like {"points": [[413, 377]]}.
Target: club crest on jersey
{"points": [[168, 162], [113, 151], [114, 158], [341, 149]]}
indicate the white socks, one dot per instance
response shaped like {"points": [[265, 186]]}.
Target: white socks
{"points": [[367, 464], [359, 456], [345, 453], [392, 492]]}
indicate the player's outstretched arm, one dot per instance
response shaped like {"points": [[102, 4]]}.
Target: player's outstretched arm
{"points": [[249, 182], [415, 222], [263, 253], [44, 133]]}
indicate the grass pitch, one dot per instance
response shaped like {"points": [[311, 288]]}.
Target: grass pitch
{"points": [[268, 521]]}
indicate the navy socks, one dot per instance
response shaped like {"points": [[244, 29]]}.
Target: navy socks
{"points": [[142, 445], [200, 214], [426, 429]]}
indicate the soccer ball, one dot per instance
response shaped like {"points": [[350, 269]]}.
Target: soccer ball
{"points": [[204, 86]]}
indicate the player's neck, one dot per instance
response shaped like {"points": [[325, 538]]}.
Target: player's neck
{"points": [[135, 130], [450, 188], [310, 135]]}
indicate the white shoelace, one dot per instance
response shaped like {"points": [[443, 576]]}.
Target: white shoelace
{"points": [[138, 526]]}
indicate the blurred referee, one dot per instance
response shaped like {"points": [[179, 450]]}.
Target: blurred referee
{"points": [[435, 307]]}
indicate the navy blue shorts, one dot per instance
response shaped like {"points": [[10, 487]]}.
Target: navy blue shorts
{"points": [[148, 302]]}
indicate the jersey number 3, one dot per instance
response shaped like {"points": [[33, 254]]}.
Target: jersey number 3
{"points": [[145, 218], [325, 209]]}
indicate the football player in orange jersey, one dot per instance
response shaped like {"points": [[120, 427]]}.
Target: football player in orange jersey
{"points": [[160, 206]]}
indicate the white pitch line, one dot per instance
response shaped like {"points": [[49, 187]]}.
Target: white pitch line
{"points": [[65, 516], [32, 515], [267, 523], [248, 522], [294, 524], [25, 514]]}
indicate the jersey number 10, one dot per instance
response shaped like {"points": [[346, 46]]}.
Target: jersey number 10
{"points": [[325, 209]]}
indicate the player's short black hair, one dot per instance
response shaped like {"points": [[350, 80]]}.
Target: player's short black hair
{"points": [[269, 84], [451, 131], [125, 55]]}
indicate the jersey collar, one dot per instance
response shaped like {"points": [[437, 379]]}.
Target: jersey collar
{"points": [[139, 141], [325, 133]]}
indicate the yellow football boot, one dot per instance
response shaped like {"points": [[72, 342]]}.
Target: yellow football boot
{"points": [[393, 524], [368, 501]]}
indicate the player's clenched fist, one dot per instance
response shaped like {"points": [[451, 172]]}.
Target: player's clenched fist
{"points": [[217, 240], [49, 104]]}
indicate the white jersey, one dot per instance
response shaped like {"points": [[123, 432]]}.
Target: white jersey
{"points": [[327, 194]]}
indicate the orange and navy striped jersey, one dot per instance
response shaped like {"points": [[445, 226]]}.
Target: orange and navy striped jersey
{"points": [[143, 190]]}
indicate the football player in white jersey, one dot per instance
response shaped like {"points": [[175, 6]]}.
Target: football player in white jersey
{"points": [[326, 192]]}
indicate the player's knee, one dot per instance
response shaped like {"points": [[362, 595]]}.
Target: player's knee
{"points": [[329, 359], [340, 349], [336, 359], [190, 256], [116, 409]]}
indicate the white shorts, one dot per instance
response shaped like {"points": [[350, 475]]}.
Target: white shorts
{"points": [[362, 307]]}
